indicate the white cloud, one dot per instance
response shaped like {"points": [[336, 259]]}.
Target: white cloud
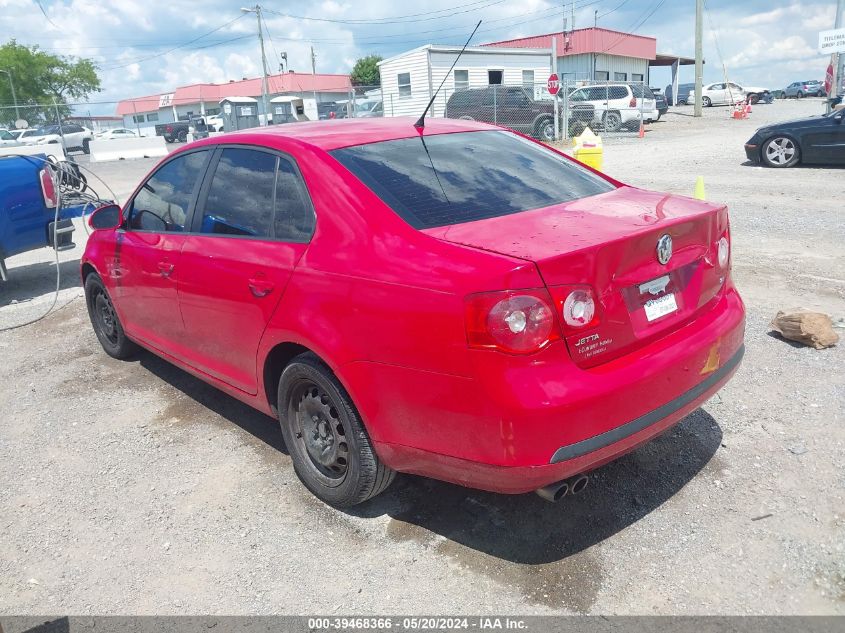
{"points": [[760, 43]]}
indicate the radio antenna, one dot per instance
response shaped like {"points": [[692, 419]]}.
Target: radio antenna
{"points": [[420, 124]]}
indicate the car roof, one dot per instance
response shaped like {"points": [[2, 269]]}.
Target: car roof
{"points": [[338, 133]]}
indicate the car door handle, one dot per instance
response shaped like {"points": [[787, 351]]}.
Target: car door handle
{"points": [[165, 268], [260, 286]]}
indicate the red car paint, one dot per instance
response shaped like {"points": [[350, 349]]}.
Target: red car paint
{"points": [[385, 306]]}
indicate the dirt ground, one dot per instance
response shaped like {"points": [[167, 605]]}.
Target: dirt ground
{"points": [[133, 488]]}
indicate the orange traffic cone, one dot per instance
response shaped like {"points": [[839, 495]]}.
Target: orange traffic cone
{"points": [[642, 130], [748, 107]]}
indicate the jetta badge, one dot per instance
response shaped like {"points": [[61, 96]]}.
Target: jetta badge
{"points": [[664, 249]]}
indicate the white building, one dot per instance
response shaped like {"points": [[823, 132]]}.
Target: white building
{"points": [[409, 80]]}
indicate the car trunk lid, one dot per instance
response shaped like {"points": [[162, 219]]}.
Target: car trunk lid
{"points": [[609, 242]]}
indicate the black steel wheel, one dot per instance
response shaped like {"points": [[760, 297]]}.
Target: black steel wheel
{"points": [[328, 444], [183, 136], [105, 321]]}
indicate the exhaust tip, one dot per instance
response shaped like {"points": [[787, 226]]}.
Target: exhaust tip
{"points": [[578, 484], [554, 492]]}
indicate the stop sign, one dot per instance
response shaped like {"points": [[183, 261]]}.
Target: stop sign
{"points": [[828, 80], [553, 84]]}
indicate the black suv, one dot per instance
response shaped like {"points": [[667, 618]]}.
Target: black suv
{"points": [[515, 108]]}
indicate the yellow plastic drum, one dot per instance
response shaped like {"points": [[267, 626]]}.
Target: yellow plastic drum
{"points": [[587, 148]]}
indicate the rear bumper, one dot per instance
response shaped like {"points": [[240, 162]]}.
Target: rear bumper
{"points": [[524, 422]]}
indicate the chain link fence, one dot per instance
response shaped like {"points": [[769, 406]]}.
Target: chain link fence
{"points": [[610, 108]]}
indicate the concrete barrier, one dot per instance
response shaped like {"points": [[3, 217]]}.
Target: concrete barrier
{"points": [[116, 149], [50, 149]]}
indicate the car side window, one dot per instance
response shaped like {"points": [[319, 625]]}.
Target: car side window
{"points": [[578, 95], [240, 198], [294, 215], [618, 92], [163, 202]]}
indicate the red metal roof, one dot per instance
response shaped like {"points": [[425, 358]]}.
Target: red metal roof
{"points": [[592, 40], [281, 83]]}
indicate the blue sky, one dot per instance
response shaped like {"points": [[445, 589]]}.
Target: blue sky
{"points": [[151, 46]]}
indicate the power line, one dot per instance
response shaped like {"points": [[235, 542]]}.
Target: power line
{"points": [[47, 17], [175, 48], [414, 17]]}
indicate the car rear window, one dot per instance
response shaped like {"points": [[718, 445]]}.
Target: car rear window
{"points": [[453, 178]]}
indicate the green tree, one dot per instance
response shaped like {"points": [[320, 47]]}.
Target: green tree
{"points": [[39, 78], [365, 72]]}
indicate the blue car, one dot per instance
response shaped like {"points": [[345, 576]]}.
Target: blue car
{"points": [[801, 89]]}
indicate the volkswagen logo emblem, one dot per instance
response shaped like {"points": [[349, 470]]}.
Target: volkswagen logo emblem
{"points": [[664, 249]]}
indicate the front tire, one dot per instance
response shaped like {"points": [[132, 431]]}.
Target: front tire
{"points": [[183, 137], [86, 146], [754, 99], [105, 321], [800, 95], [705, 101], [331, 452], [780, 151]]}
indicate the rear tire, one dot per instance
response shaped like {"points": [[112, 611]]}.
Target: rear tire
{"points": [[545, 130], [105, 321], [331, 452], [183, 136], [612, 121]]}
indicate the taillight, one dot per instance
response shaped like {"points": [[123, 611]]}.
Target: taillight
{"points": [[48, 189], [632, 103], [514, 322], [723, 249], [169, 128], [576, 305]]}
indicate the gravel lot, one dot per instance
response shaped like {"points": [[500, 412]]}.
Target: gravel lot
{"points": [[133, 488]]}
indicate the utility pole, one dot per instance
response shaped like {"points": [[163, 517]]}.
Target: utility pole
{"points": [[699, 53], [314, 76], [257, 11], [14, 97], [839, 69]]}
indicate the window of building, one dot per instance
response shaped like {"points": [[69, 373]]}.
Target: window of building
{"points": [[637, 77], [138, 118], [404, 81], [620, 76], [602, 75], [212, 111], [528, 79], [152, 117], [164, 201], [494, 77], [461, 79]]}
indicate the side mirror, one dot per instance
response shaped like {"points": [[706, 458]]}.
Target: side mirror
{"points": [[106, 217]]}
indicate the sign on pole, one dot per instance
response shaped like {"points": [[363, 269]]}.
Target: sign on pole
{"points": [[828, 79], [553, 84], [832, 41]]}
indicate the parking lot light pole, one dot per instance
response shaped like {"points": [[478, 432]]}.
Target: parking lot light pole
{"points": [[14, 97]]}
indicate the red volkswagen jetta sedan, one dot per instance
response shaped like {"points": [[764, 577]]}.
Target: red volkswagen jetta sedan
{"points": [[458, 302]]}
